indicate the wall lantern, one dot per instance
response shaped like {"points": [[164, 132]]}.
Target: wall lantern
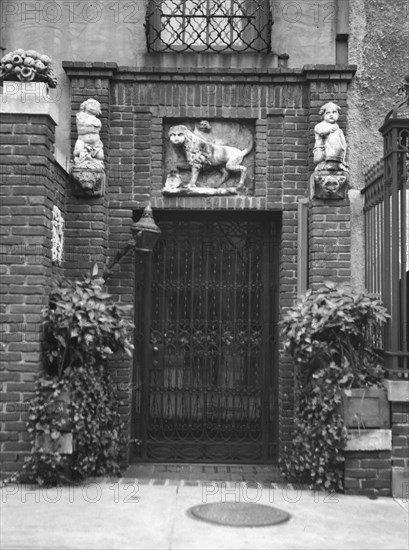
{"points": [[145, 232]]}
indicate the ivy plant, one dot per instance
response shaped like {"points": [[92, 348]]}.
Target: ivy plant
{"points": [[83, 325], [95, 425], [331, 335], [83, 329]]}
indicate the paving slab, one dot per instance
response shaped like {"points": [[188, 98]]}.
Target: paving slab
{"points": [[128, 514]]}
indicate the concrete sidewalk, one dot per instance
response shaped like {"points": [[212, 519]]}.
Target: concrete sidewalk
{"points": [[152, 514]]}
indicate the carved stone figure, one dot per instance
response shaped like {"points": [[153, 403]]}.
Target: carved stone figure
{"points": [[27, 66], [201, 154], [89, 171], [330, 185], [57, 236], [331, 172], [204, 126], [330, 144]]}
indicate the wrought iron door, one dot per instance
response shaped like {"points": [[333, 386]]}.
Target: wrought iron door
{"points": [[207, 369]]}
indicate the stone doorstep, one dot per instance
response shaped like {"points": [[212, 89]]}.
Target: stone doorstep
{"points": [[400, 483]]}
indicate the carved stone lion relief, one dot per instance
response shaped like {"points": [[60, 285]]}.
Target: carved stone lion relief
{"points": [[208, 158]]}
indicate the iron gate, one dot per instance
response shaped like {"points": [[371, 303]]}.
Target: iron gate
{"points": [[207, 341]]}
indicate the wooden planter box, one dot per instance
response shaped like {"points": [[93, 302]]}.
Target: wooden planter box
{"points": [[366, 408]]}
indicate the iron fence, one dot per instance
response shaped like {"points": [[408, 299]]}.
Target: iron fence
{"points": [[386, 210]]}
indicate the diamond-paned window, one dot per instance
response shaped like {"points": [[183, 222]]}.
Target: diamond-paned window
{"points": [[208, 25]]}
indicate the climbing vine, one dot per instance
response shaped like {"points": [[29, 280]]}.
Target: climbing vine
{"points": [[83, 329], [330, 335]]}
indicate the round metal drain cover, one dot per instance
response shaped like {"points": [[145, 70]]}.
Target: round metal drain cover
{"points": [[239, 514]]}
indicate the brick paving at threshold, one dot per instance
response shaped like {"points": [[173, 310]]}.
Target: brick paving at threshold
{"points": [[203, 472]]}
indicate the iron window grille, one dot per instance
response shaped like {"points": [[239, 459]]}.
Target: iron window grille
{"points": [[208, 26]]}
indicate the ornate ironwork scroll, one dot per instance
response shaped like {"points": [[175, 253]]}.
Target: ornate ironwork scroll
{"points": [[211, 339]]}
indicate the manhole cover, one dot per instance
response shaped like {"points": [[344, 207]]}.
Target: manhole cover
{"points": [[239, 514]]}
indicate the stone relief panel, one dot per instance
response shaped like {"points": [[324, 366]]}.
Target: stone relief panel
{"points": [[208, 157]]}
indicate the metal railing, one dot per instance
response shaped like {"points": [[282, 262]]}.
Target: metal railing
{"points": [[386, 209]]}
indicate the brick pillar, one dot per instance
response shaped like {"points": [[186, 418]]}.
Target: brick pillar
{"points": [[329, 220], [329, 242], [400, 435], [28, 193], [97, 228], [367, 472], [86, 223], [400, 444]]}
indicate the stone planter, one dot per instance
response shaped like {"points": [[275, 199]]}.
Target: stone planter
{"points": [[367, 469], [64, 443], [366, 408]]}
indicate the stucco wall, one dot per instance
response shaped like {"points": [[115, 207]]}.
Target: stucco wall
{"points": [[114, 31], [379, 46], [305, 30]]}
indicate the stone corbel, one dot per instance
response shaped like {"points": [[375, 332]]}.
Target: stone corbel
{"points": [[330, 184], [88, 181]]}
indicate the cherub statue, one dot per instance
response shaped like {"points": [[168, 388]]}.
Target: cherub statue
{"points": [[88, 144], [88, 170], [330, 145], [331, 173]]}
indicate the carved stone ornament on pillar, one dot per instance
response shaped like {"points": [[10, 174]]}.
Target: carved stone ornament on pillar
{"points": [[198, 160], [27, 66], [57, 236], [88, 171], [331, 173]]}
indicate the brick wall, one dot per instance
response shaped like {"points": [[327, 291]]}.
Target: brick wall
{"points": [[86, 223], [329, 242], [400, 434], [329, 221], [284, 107], [368, 473], [30, 184], [281, 105]]}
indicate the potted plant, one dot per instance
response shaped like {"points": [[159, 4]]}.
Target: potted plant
{"points": [[73, 418], [331, 335]]}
